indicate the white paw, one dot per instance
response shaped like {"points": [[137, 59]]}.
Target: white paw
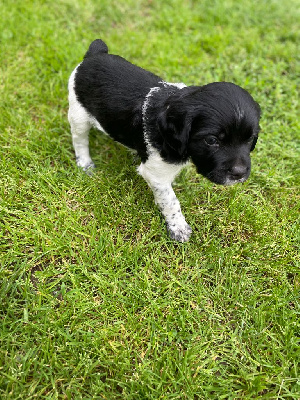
{"points": [[180, 233], [87, 167]]}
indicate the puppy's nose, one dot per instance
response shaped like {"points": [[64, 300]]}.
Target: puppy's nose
{"points": [[237, 171]]}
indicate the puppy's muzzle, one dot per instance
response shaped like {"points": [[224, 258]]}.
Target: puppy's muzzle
{"points": [[237, 172]]}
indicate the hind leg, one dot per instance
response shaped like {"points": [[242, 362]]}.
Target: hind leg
{"points": [[80, 127], [80, 123]]}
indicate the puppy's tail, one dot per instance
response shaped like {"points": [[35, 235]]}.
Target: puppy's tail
{"points": [[96, 47]]}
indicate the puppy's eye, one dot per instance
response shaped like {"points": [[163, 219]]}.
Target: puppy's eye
{"points": [[211, 140]]}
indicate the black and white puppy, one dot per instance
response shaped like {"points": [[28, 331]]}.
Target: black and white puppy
{"points": [[216, 125]]}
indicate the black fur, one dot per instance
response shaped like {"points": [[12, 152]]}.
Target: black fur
{"points": [[216, 125], [195, 117], [113, 90]]}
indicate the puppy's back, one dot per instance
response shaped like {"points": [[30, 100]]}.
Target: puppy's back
{"points": [[108, 80]]}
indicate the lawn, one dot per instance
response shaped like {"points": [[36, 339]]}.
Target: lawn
{"points": [[96, 301]]}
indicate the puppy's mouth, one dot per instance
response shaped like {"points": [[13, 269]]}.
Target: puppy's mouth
{"points": [[226, 180], [230, 182]]}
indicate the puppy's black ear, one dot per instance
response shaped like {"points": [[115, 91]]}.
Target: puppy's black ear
{"points": [[254, 143], [255, 139], [258, 111], [174, 128]]}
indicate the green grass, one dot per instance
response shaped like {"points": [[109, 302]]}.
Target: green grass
{"points": [[96, 302]]}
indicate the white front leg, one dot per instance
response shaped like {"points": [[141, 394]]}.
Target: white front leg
{"points": [[159, 175]]}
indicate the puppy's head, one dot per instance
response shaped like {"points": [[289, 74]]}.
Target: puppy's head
{"points": [[216, 126]]}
